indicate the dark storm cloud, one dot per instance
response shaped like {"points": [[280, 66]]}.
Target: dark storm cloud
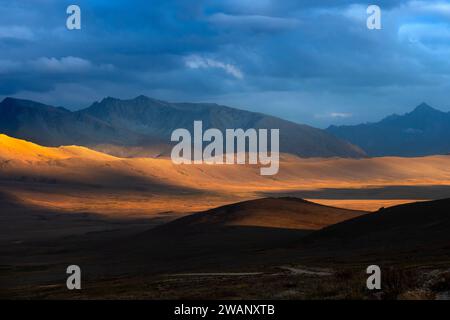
{"points": [[310, 61]]}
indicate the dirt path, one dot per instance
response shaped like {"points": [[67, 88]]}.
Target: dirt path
{"points": [[305, 271]]}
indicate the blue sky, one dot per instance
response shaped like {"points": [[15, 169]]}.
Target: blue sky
{"points": [[309, 61]]}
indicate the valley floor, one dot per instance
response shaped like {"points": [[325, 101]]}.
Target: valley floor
{"points": [[119, 220]]}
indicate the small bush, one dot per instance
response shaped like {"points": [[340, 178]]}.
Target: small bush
{"points": [[396, 281], [441, 283]]}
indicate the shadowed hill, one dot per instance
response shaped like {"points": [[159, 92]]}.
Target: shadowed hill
{"points": [[421, 228], [226, 236], [288, 213], [255, 232], [23, 221]]}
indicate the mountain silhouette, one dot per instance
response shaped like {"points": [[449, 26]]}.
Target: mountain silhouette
{"points": [[146, 121], [55, 126], [424, 131]]}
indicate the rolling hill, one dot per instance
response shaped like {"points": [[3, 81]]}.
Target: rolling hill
{"points": [[418, 229], [77, 178], [287, 213], [424, 131], [27, 158], [252, 234], [224, 237], [21, 150]]}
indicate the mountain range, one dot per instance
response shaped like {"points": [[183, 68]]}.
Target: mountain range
{"points": [[147, 122], [424, 131], [142, 127]]}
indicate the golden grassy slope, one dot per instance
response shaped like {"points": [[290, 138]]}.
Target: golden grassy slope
{"points": [[17, 149], [172, 187]]}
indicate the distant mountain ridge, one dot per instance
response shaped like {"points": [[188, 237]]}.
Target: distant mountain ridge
{"points": [[144, 121], [424, 131], [55, 126]]}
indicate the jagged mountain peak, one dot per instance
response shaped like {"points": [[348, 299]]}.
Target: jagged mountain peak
{"points": [[424, 107], [11, 101], [421, 132]]}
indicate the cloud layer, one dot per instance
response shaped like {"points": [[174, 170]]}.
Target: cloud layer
{"points": [[307, 61]]}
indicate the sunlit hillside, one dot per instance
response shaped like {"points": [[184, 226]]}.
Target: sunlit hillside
{"points": [[17, 149], [152, 185]]}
